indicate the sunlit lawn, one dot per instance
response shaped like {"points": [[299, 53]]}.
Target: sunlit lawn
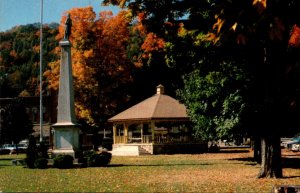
{"points": [[220, 172]]}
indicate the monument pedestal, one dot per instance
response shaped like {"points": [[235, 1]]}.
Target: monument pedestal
{"points": [[66, 130], [66, 139]]}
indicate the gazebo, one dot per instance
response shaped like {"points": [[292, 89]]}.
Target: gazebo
{"points": [[159, 124]]}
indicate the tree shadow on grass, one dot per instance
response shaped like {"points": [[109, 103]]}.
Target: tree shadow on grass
{"points": [[290, 177], [293, 163], [233, 151], [246, 161], [4, 162], [154, 165], [243, 159], [7, 160]]}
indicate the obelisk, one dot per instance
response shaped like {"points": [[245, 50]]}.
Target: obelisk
{"points": [[66, 130]]}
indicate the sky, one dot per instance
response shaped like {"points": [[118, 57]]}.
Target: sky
{"points": [[22, 12]]}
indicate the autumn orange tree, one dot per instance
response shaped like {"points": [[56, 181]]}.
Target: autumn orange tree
{"points": [[154, 26], [100, 66]]}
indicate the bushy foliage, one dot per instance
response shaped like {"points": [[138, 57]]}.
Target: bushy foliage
{"points": [[95, 159], [41, 163], [36, 156], [215, 100], [31, 153], [43, 151], [63, 161]]}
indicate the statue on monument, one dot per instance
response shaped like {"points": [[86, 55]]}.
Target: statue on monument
{"points": [[68, 25]]}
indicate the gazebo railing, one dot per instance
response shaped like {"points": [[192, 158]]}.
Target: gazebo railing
{"points": [[158, 139], [161, 139], [143, 139], [120, 139], [147, 139]]}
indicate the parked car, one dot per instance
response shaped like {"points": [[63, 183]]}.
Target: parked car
{"points": [[13, 148], [4, 151], [25, 142], [22, 147], [10, 147], [289, 142], [296, 147]]}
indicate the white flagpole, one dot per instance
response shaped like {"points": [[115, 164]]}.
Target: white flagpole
{"points": [[41, 73]]}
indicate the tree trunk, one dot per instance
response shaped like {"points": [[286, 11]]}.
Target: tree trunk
{"points": [[271, 166], [257, 150]]}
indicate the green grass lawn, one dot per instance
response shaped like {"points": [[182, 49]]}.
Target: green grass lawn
{"points": [[219, 172]]}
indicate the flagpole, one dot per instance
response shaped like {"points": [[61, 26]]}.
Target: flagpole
{"points": [[41, 73]]}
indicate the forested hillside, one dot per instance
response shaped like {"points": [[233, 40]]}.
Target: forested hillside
{"points": [[19, 58]]}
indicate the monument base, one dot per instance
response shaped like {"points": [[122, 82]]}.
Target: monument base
{"points": [[57, 152], [66, 139]]}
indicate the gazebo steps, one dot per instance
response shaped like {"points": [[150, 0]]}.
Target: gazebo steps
{"points": [[125, 150], [129, 150], [143, 151]]}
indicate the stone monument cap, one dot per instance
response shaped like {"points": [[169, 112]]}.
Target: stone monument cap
{"points": [[64, 42]]}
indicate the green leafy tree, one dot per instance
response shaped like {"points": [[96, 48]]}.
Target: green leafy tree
{"points": [[264, 28], [16, 124], [215, 101], [253, 33]]}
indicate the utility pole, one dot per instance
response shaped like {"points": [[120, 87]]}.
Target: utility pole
{"points": [[41, 73]]}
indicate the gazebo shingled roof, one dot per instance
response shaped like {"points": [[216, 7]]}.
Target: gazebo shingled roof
{"points": [[159, 106]]}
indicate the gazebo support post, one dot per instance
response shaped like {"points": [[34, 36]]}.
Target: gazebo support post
{"points": [[142, 125], [125, 132], [114, 132], [152, 125]]}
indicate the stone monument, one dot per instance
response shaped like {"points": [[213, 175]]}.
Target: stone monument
{"points": [[66, 130]]}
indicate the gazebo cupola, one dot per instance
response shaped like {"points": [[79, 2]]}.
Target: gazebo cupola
{"points": [[160, 89]]}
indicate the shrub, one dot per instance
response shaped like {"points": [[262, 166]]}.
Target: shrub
{"points": [[43, 150], [83, 162], [88, 154], [214, 148], [63, 161], [104, 158], [31, 153], [41, 163], [36, 157], [98, 160], [4, 151]]}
